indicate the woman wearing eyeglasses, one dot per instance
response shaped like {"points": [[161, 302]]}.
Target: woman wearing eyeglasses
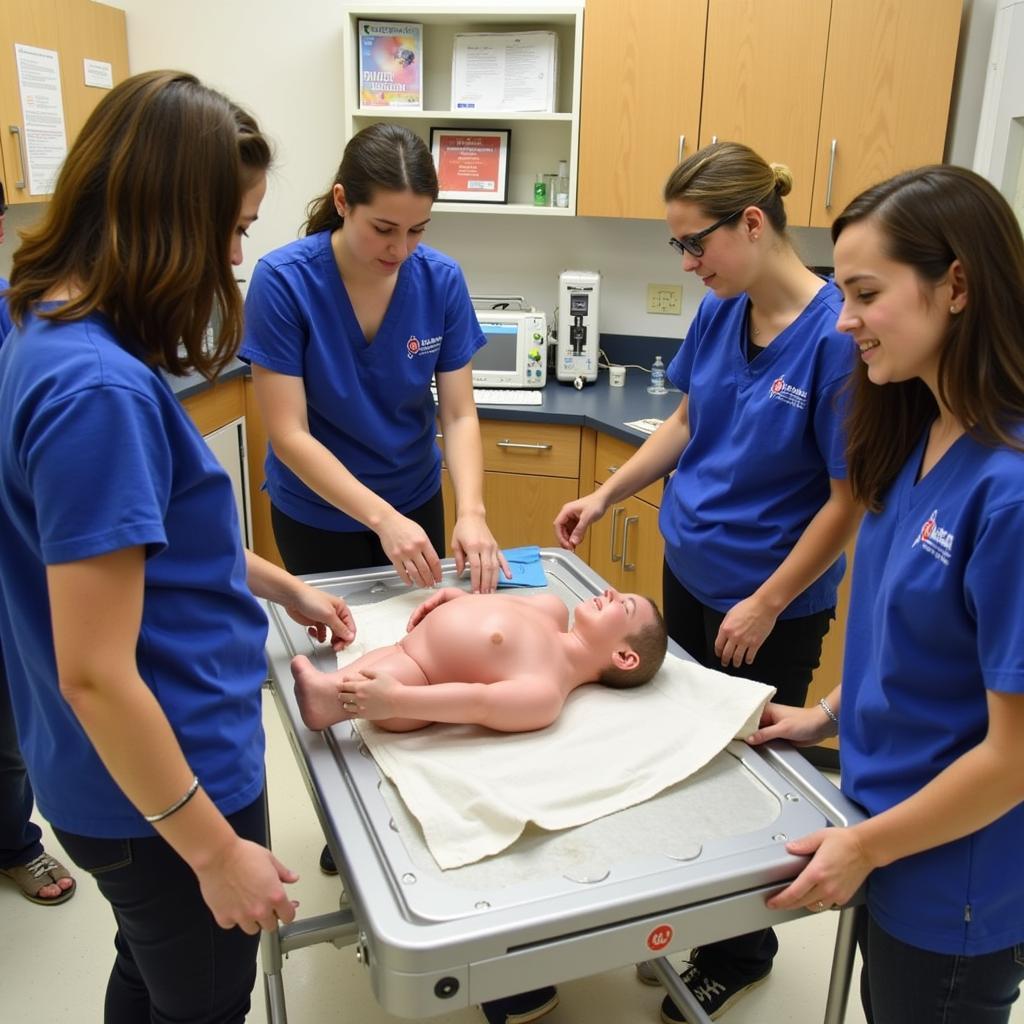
{"points": [[758, 511]]}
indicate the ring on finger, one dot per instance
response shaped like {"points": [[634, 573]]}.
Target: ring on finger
{"points": [[819, 906]]}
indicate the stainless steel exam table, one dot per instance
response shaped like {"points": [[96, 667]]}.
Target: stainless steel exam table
{"points": [[691, 866]]}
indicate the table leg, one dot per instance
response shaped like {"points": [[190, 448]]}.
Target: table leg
{"points": [[842, 966], [684, 999]]}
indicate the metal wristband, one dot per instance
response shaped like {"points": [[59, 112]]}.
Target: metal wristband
{"points": [[824, 705], [177, 805]]}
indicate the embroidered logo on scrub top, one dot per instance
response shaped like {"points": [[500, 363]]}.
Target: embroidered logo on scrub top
{"points": [[788, 393], [415, 347], [934, 539]]}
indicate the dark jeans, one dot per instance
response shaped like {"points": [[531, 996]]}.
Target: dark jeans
{"points": [[307, 549], [786, 660], [174, 963], [902, 984], [19, 837]]}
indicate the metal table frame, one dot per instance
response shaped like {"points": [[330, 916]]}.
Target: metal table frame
{"points": [[703, 921]]}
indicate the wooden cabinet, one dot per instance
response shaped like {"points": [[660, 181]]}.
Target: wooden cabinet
{"points": [[530, 471], [787, 77], [885, 108], [642, 69], [259, 502], [626, 546], [74, 29], [764, 67]]}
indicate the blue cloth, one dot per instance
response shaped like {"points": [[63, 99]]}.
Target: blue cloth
{"points": [[765, 439], [5, 316], [96, 455], [369, 404], [527, 570], [935, 622]]}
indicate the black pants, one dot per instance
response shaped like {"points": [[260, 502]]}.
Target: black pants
{"points": [[786, 660], [902, 984], [307, 549], [174, 963]]}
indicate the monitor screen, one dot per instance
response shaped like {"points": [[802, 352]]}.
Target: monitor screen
{"points": [[499, 354]]}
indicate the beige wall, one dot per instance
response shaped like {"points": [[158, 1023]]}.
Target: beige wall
{"points": [[283, 61]]}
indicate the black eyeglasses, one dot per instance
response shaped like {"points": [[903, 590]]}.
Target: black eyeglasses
{"points": [[691, 243], [3, 200]]}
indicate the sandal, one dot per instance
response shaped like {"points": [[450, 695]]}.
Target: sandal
{"points": [[34, 876]]}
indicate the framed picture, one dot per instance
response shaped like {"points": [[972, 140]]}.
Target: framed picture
{"points": [[472, 166]]}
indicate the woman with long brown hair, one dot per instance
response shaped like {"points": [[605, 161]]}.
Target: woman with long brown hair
{"points": [[931, 708], [133, 642]]}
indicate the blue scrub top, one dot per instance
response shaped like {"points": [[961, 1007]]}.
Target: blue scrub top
{"points": [[5, 317], [765, 438], [935, 622], [96, 455], [368, 404]]}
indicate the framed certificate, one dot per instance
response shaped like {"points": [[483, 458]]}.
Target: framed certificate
{"points": [[472, 166]]}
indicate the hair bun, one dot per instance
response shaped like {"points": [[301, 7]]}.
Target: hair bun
{"points": [[783, 179]]}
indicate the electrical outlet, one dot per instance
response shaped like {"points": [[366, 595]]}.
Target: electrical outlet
{"points": [[665, 298]]}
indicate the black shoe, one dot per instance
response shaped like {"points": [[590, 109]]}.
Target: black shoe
{"points": [[327, 865], [523, 1008], [715, 987]]}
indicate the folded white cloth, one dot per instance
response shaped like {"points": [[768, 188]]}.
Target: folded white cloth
{"points": [[473, 790]]}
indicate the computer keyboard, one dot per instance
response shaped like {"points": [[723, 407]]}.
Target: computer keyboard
{"points": [[506, 396], [502, 396]]}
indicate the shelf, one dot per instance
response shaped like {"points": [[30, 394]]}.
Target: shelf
{"points": [[520, 208], [391, 113]]}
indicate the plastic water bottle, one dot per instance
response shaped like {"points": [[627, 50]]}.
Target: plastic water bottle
{"points": [[657, 385]]}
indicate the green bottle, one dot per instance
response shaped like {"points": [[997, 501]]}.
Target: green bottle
{"points": [[540, 191]]}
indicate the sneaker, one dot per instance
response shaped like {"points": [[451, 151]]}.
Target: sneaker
{"points": [[327, 865], [523, 1008], [645, 970], [716, 988]]}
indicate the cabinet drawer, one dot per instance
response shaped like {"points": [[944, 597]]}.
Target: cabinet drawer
{"points": [[541, 449], [613, 453]]}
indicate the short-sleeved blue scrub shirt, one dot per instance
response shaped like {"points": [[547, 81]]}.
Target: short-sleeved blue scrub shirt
{"points": [[369, 404], [765, 438]]}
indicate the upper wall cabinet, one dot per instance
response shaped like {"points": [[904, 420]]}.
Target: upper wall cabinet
{"points": [[643, 63], [76, 30], [537, 141], [844, 92]]}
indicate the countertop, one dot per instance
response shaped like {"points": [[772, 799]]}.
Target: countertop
{"points": [[599, 406]]}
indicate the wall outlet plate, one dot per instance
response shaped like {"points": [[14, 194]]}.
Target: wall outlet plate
{"points": [[665, 298]]}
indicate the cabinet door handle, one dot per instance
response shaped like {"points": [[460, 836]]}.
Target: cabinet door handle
{"points": [[682, 146], [714, 139], [627, 565], [831, 172], [616, 512], [506, 443], [16, 132], [613, 469]]}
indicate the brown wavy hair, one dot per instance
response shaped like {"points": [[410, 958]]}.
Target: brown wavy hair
{"points": [[381, 156], [141, 221], [928, 218]]}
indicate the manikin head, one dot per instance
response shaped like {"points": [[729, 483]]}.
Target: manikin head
{"points": [[629, 630]]}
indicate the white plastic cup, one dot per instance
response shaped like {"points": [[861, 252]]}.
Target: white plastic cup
{"points": [[616, 376]]}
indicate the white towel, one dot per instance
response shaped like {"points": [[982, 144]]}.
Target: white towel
{"points": [[473, 790]]}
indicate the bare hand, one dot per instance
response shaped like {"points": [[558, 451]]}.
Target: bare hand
{"points": [[473, 544], [407, 545], [373, 693], [838, 867], [245, 887], [803, 727], [319, 611], [436, 599], [745, 627], [575, 517]]}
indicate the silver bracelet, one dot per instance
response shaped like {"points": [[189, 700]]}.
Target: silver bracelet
{"points": [[824, 705], [177, 805]]}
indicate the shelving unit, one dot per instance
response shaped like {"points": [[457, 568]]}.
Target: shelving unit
{"points": [[538, 140]]}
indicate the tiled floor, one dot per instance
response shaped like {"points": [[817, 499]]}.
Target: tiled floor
{"points": [[54, 961]]}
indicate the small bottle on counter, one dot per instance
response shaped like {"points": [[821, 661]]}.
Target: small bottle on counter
{"points": [[657, 385], [562, 185], [540, 190]]}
